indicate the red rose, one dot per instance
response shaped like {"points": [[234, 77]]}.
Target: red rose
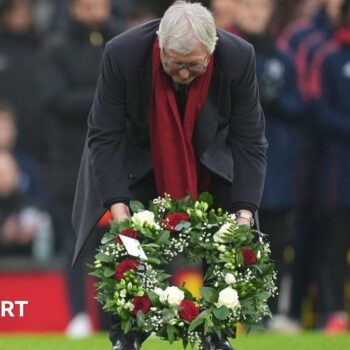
{"points": [[129, 232], [174, 219], [141, 303], [188, 310], [124, 266], [249, 256]]}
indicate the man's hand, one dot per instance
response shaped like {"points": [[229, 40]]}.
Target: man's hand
{"points": [[120, 211], [244, 221]]}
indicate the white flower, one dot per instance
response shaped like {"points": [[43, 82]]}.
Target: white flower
{"points": [[228, 297], [258, 255], [143, 217], [230, 278], [233, 217], [218, 236], [163, 296], [123, 293], [174, 295], [129, 305], [222, 248]]}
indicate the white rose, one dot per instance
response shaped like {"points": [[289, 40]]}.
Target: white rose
{"points": [[163, 296], [174, 295], [218, 236], [143, 217], [228, 297], [230, 278]]}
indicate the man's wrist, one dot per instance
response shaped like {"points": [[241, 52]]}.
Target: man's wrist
{"points": [[245, 216]]}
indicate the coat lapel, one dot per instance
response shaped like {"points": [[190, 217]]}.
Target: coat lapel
{"points": [[207, 122]]}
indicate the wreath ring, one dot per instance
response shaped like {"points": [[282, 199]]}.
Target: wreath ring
{"points": [[132, 284]]}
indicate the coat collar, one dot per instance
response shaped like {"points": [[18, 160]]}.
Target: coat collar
{"points": [[207, 121]]}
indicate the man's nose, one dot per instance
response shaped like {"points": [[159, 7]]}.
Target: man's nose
{"points": [[184, 73]]}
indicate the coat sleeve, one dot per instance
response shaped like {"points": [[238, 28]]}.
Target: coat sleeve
{"points": [[247, 138], [107, 138]]}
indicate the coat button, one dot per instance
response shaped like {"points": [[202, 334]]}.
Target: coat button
{"points": [[131, 176]]}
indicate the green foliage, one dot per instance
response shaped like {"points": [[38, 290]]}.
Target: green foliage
{"points": [[136, 206], [196, 240]]}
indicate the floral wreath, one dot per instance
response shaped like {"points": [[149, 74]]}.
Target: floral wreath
{"points": [[237, 284]]}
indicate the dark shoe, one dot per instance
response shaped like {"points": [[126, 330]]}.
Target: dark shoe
{"points": [[213, 342], [130, 341], [122, 341]]}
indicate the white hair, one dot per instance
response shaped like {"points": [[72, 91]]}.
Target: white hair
{"points": [[185, 24]]}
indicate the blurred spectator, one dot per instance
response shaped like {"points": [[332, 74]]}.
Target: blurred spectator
{"points": [[19, 72], [283, 108], [292, 15], [72, 66], [332, 111], [24, 227], [225, 12], [303, 40], [140, 12]]}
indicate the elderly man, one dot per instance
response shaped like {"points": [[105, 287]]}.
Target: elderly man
{"points": [[177, 111]]}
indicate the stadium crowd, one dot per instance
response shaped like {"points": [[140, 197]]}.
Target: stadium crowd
{"points": [[50, 53]]}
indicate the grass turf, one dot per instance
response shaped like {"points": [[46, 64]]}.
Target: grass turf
{"points": [[305, 341]]}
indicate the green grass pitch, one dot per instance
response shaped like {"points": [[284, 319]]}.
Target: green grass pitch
{"points": [[305, 341]]}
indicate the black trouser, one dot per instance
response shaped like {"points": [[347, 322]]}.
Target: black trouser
{"points": [[76, 276], [310, 265], [337, 252], [279, 225]]}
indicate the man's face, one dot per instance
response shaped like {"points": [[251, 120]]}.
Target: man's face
{"points": [[333, 9], [92, 13], [8, 131], [9, 174], [19, 16], [254, 15], [224, 13], [183, 69]]}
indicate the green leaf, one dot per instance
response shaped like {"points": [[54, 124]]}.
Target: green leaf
{"points": [[163, 238], [221, 313], [171, 331], [208, 325], [104, 258], [97, 273], [136, 206], [195, 323], [108, 272], [140, 318], [126, 324], [206, 197], [108, 237], [209, 294], [153, 260], [188, 294], [153, 297], [109, 304], [262, 296], [239, 259], [167, 315]]}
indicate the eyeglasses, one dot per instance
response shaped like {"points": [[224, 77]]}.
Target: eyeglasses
{"points": [[176, 66]]}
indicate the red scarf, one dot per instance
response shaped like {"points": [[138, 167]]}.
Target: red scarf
{"points": [[343, 36], [173, 155]]}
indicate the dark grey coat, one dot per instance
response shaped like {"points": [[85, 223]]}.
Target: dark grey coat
{"points": [[229, 134]]}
